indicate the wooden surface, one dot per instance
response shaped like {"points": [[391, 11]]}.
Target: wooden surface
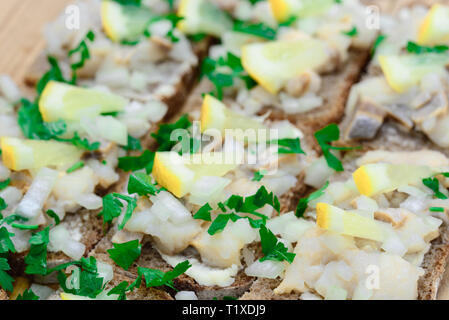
{"points": [[21, 25]]}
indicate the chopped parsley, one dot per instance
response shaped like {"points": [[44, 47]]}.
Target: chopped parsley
{"points": [[304, 202], [137, 3], [54, 73], [239, 204], [164, 135], [434, 185], [112, 208], [436, 209], [89, 283], [144, 161], [141, 184], [24, 226], [83, 50], [5, 279], [6, 244], [75, 167], [324, 137], [53, 215], [258, 175], [351, 33], [36, 260], [28, 294], [272, 248], [4, 184], [256, 29], [124, 254], [212, 69], [415, 48], [287, 146], [380, 38], [158, 278], [204, 213], [80, 143], [133, 144]]}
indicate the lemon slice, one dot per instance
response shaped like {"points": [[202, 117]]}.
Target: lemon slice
{"points": [[273, 63], [21, 154], [434, 29], [372, 179], [348, 223], [404, 72], [201, 16], [285, 9], [67, 102], [215, 115], [124, 22], [177, 174], [69, 296]]}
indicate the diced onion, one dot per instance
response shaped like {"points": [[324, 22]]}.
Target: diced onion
{"points": [[186, 295], [317, 173], [266, 269], [9, 89], [208, 189], [33, 201], [112, 129]]}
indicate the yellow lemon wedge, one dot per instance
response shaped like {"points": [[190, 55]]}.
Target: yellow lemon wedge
{"points": [[177, 174], [215, 115], [405, 71], [285, 9], [273, 63], [21, 154], [202, 16], [348, 223], [434, 29], [69, 296], [68, 102], [375, 178], [124, 22]]}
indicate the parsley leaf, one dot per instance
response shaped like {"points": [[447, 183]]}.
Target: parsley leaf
{"points": [[324, 137], [258, 29], [141, 184], [415, 48], [434, 185], [137, 3], [53, 215], [4, 184], [157, 278], [133, 144], [289, 146], [351, 33], [84, 53], [304, 202], [380, 38], [272, 248], [112, 208], [28, 294], [6, 244], [5, 279], [436, 209], [89, 284], [164, 135], [124, 254], [33, 127], [222, 80], [36, 260], [144, 161], [258, 175], [54, 73], [75, 167], [122, 288], [204, 213]]}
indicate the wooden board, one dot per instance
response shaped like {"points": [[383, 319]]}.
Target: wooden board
{"points": [[21, 39]]}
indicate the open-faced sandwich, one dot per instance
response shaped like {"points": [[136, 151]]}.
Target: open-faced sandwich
{"points": [[119, 180]]}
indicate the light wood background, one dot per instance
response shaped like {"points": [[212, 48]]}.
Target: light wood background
{"points": [[21, 24]]}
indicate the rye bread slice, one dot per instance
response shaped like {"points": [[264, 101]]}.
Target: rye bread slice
{"points": [[3, 295]]}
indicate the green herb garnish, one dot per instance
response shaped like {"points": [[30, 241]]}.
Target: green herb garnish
{"points": [[434, 185], [75, 167], [304, 202], [144, 161], [36, 260], [351, 33], [124, 254], [272, 248], [54, 216], [415, 48]]}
